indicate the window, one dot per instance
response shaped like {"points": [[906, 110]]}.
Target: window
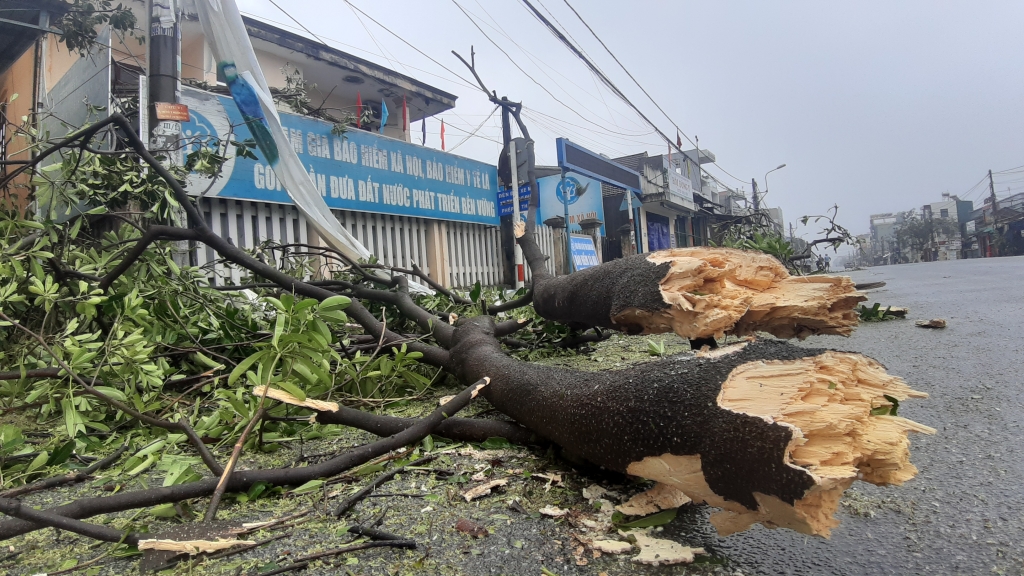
{"points": [[944, 212]]}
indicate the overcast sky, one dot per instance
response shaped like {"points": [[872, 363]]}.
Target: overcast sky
{"points": [[874, 106]]}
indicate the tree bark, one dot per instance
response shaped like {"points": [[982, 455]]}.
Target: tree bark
{"points": [[696, 293], [756, 429]]}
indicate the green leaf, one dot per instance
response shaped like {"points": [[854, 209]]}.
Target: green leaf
{"points": [[895, 404], [659, 519], [208, 362], [474, 294], [111, 393], [244, 365], [164, 511], [311, 486], [292, 389], [38, 462], [61, 455], [495, 443], [335, 303]]}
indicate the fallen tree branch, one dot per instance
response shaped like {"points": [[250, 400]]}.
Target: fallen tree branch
{"points": [[43, 518], [243, 480], [354, 499], [461, 429], [510, 305]]}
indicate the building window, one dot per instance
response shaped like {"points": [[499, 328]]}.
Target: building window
{"points": [[944, 212]]}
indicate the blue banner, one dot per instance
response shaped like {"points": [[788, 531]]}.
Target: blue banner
{"points": [[357, 170], [584, 254]]}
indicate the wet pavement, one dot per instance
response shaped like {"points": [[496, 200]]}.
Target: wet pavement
{"points": [[964, 513]]}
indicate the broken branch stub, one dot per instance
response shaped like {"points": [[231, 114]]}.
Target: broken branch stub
{"points": [[700, 292], [771, 433]]}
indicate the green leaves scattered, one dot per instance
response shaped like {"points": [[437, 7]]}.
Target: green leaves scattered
{"points": [[658, 519], [875, 313]]}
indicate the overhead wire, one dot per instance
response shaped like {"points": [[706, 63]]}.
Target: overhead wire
{"points": [[541, 64], [644, 90], [475, 130], [516, 64]]}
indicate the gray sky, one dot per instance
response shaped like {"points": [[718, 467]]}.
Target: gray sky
{"points": [[874, 106]]}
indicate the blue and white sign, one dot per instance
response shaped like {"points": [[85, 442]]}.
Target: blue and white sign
{"points": [[584, 255], [584, 196], [505, 200], [358, 170]]}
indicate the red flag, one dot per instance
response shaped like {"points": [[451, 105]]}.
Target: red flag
{"points": [[405, 119], [442, 135], [679, 140], [359, 110]]}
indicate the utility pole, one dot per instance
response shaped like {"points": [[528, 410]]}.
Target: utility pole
{"points": [[164, 75], [992, 192], [508, 239], [757, 201], [790, 232], [162, 111]]}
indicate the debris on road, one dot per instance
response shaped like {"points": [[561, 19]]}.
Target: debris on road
{"points": [[611, 546], [660, 552], [553, 511], [933, 323], [471, 528], [483, 489], [660, 497]]}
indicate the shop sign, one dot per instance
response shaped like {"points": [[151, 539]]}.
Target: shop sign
{"points": [[355, 170], [680, 188]]}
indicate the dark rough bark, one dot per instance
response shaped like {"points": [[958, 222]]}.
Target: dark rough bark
{"points": [[615, 418], [715, 426], [593, 297]]}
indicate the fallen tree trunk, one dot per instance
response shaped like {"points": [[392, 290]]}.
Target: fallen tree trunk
{"points": [[696, 293], [769, 432]]}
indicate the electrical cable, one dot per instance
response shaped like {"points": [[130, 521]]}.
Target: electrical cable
{"points": [[516, 64], [611, 85], [475, 130], [285, 12]]}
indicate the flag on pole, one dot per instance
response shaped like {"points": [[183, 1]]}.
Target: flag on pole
{"points": [[442, 135], [383, 115], [359, 110], [679, 140], [405, 119]]}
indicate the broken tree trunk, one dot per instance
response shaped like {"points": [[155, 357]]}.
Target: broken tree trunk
{"points": [[769, 432], [696, 293]]}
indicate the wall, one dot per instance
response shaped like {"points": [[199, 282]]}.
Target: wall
{"points": [[18, 79]]}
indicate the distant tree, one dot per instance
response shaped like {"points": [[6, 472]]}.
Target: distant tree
{"points": [[915, 234]]}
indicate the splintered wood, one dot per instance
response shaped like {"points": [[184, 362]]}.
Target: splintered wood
{"points": [[827, 401], [718, 291]]}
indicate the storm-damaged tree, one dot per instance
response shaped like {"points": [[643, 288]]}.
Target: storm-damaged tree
{"points": [[108, 333]]}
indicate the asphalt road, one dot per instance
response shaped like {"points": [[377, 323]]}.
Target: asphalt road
{"points": [[964, 513]]}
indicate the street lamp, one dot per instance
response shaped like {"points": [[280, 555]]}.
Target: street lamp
{"points": [[779, 167]]}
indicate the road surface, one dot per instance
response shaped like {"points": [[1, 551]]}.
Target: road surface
{"points": [[964, 513]]}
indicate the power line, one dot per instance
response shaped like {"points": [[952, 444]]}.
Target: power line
{"points": [[516, 64], [407, 43], [611, 85], [285, 12], [475, 130], [644, 90]]}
